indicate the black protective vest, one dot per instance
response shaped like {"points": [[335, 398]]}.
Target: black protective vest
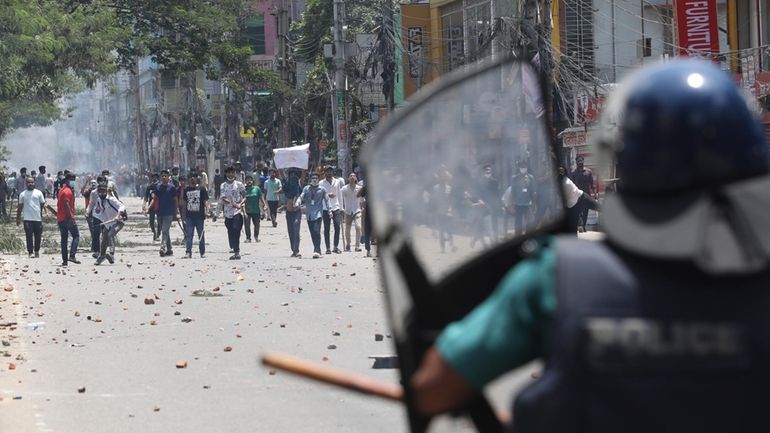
{"points": [[639, 345]]}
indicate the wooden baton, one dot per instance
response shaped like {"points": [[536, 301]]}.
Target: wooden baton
{"points": [[351, 381]]}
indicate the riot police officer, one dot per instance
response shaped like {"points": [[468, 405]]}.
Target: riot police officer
{"points": [[663, 326]]}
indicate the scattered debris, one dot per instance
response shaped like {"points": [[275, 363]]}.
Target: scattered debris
{"points": [[202, 293], [331, 347], [82, 390], [228, 349], [181, 364], [149, 301], [378, 337]]}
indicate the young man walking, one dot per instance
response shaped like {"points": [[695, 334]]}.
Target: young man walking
{"points": [[315, 198], [90, 193], [196, 204], [109, 215], [32, 203], [168, 210], [65, 217], [291, 190], [232, 204], [217, 184], [255, 201], [3, 196], [333, 187], [272, 186], [152, 211], [351, 208], [40, 181]]}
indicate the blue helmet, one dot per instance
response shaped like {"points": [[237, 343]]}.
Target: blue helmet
{"points": [[683, 125]]}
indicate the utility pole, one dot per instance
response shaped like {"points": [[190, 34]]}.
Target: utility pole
{"points": [[339, 103], [285, 70], [388, 61], [139, 129]]}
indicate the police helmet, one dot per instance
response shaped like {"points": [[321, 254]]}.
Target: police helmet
{"points": [[683, 125], [693, 164]]}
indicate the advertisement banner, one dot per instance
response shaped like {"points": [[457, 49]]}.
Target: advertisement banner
{"points": [[697, 30]]}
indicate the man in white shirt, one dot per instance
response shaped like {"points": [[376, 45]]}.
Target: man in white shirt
{"points": [[110, 214], [576, 200], [232, 203], [351, 208], [32, 203], [333, 187]]}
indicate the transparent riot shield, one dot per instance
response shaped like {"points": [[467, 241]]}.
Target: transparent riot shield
{"points": [[456, 183]]}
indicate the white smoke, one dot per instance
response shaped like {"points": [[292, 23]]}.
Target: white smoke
{"points": [[57, 147]]}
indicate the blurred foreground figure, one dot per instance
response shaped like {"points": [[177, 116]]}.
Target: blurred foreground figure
{"points": [[663, 326]]}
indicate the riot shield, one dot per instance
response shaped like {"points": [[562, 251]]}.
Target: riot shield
{"points": [[457, 182]]}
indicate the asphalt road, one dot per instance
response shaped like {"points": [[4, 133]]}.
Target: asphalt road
{"points": [[106, 361]]}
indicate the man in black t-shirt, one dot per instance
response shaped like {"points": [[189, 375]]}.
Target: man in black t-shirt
{"points": [[149, 194], [196, 203]]}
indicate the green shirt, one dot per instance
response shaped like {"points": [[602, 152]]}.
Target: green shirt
{"points": [[509, 328], [252, 199]]}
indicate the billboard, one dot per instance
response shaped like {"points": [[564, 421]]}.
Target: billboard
{"points": [[697, 30]]}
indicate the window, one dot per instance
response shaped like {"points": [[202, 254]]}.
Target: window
{"points": [[255, 33], [479, 24], [452, 35], [579, 38], [644, 47]]}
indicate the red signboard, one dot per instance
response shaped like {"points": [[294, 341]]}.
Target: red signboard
{"points": [[697, 30]]}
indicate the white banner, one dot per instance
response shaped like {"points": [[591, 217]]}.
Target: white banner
{"points": [[292, 157]]}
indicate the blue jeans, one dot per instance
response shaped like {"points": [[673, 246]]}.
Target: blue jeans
{"points": [[165, 222], [315, 233], [293, 219], [67, 228], [195, 223]]}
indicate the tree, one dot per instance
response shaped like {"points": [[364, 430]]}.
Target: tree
{"points": [[48, 52], [310, 34]]}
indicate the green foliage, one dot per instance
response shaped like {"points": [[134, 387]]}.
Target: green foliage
{"points": [[48, 52]]}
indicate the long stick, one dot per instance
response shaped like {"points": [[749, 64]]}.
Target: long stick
{"points": [[333, 376], [110, 221]]}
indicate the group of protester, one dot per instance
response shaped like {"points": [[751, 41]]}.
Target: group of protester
{"points": [[32, 207], [484, 206], [245, 199]]}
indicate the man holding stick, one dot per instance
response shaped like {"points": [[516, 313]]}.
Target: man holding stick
{"points": [[111, 213]]}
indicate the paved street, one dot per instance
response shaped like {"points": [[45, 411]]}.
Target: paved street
{"points": [[101, 337], [100, 334]]}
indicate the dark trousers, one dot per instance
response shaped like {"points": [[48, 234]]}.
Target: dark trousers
{"points": [[367, 231], [3, 212], [315, 234], [521, 219], [33, 230], [234, 226], [336, 216], [94, 227], [575, 214], [252, 218], [293, 219], [195, 223], [155, 231], [108, 237], [586, 203], [67, 228], [273, 206]]}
